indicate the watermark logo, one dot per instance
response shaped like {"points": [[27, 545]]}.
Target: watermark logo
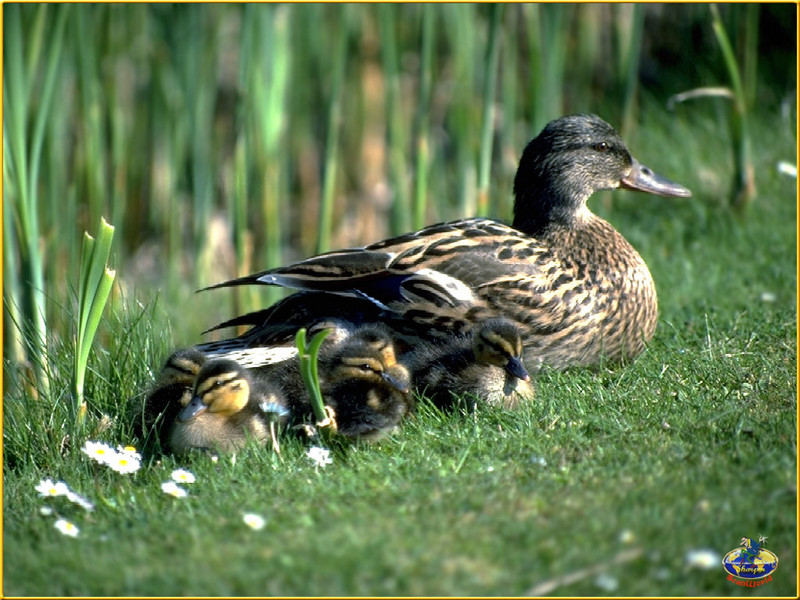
{"points": [[751, 564]]}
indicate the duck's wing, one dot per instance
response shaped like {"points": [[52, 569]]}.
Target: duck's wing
{"points": [[443, 265]]}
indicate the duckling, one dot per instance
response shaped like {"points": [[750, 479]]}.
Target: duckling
{"points": [[223, 413], [367, 388], [486, 365], [170, 392], [577, 290], [360, 379]]}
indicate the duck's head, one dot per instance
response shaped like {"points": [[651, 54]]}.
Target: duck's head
{"points": [[573, 157], [181, 368], [222, 387], [498, 342], [375, 364]]}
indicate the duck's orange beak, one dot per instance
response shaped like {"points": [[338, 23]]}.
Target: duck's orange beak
{"points": [[643, 179]]}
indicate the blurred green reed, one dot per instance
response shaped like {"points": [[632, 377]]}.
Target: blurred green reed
{"points": [[332, 150], [263, 78], [396, 131], [424, 116], [489, 91], [629, 23], [24, 124], [743, 94], [226, 139]]}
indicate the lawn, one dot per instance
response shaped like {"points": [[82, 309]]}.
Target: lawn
{"points": [[615, 481]]}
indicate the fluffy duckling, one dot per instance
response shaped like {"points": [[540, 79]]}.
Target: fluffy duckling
{"points": [[486, 365], [366, 386], [360, 379], [223, 412], [170, 392]]}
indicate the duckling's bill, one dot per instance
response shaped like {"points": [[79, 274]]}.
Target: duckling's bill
{"points": [[644, 179], [191, 410], [395, 382], [517, 369]]}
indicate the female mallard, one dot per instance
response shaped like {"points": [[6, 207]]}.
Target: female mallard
{"points": [[574, 286], [485, 366]]}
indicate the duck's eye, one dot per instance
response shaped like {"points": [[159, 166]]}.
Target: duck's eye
{"points": [[365, 367], [602, 147]]}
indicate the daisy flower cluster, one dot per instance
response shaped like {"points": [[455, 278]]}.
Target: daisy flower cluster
{"points": [[47, 488], [172, 488], [124, 459]]}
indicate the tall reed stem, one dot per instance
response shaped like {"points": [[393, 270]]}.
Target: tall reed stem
{"points": [[744, 174], [332, 139], [424, 117], [398, 167], [487, 128], [24, 147]]}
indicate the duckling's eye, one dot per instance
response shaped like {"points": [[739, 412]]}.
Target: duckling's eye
{"points": [[602, 147], [366, 368]]}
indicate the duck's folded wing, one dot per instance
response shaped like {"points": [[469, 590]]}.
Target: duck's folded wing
{"points": [[349, 269]]}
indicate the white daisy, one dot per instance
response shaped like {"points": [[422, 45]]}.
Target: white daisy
{"points": [[273, 408], [703, 558], [124, 463], [182, 476], [320, 456], [129, 451], [254, 521], [66, 527], [99, 451], [47, 488], [173, 489], [79, 500]]}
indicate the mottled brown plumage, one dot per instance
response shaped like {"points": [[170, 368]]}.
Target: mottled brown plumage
{"points": [[576, 288]]}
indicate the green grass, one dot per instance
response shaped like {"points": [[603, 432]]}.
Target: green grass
{"points": [[691, 446]]}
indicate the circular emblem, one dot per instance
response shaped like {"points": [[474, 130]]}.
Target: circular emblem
{"points": [[740, 563]]}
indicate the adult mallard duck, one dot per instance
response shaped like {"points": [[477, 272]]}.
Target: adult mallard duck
{"points": [[574, 286], [485, 366]]}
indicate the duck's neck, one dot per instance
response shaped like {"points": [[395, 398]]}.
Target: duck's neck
{"points": [[539, 209]]}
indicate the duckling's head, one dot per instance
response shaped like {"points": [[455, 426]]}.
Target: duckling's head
{"points": [[378, 338], [368, 362], [181, 367], [222, 387], [573, 157], [498, 342]]}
